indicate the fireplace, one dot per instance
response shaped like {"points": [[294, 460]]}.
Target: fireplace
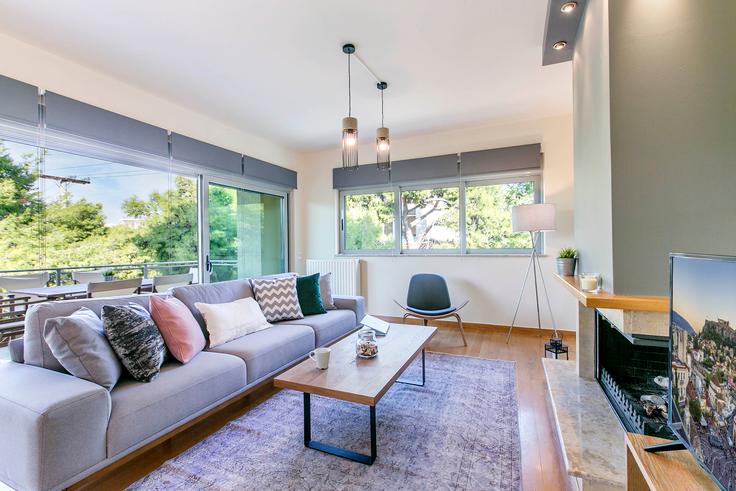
{"points": [[632, 370]]}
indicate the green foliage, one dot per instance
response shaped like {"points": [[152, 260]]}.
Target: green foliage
{"points": [[694, 406], [430, 219], [18, 193], [567, 253], [369, 221], [488, 215]]}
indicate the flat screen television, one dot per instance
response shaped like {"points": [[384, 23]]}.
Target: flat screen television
{"points": [[702, 392]]}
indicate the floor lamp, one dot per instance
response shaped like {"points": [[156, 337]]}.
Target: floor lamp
{"points": [[535, 219]]}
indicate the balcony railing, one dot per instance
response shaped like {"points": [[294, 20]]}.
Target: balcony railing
{"points": [[63, 275]]}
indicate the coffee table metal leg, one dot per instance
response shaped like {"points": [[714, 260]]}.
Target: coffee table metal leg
{"points": [[415, 383], [340, 452]]}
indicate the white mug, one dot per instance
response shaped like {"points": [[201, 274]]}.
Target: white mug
{"points": [[321, 357]]}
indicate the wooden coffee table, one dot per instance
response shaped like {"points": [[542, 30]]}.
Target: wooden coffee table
{"points": [[353, 379]]}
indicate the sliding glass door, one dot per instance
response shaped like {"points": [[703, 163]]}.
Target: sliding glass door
{"points": [[246, 232]]}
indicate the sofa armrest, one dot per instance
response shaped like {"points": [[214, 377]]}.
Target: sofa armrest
{"points": [[16, 350], [53, 427], [354, 303]]}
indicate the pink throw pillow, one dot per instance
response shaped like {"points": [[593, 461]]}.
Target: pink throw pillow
{"points": [[179, 328]]}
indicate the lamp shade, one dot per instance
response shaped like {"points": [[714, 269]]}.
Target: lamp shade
{"points": [[533, 218]]}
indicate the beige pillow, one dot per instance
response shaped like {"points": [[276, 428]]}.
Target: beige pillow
{"points": [[228, 321]]}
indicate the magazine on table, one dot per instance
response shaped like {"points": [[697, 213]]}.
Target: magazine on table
{"points": [[381, 327]]}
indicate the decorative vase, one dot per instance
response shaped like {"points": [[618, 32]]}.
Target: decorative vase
{"points": [[566, 265]]}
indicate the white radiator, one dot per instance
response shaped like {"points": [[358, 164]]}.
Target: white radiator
{"points": [[345, 274]]}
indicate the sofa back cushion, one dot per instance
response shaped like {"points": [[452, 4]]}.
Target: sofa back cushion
{"points": [[35, 350], [226, 291]]}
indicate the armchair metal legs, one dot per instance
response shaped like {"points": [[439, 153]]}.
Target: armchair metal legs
{"points": [[425, 321]]}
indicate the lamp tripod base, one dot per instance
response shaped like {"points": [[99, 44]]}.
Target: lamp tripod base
{"points": [[556, 340]]}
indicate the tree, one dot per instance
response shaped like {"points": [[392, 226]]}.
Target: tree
{"points": [[694, 407], [18, 193]]}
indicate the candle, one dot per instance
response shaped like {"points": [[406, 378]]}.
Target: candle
{"points": [[589, 282]]}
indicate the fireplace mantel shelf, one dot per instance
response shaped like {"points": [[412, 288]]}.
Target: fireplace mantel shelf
{"points": [[605, 300]]}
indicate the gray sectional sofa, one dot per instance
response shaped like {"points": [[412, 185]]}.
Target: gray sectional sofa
{"points": [[56, 429]]}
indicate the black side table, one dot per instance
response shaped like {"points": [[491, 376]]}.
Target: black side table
{"points": [[556, 349]]}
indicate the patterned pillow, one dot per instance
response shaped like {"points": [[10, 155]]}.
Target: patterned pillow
{"points": [[277, 298], [135, 339]]}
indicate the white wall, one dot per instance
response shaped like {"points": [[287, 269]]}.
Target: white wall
{"points": [[491, 283]]}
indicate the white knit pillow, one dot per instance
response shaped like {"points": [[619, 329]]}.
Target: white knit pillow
{"points": [[228, 321], [278, 298]]}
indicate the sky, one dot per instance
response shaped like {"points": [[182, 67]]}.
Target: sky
{"points": [[110, 183], [704, 289]]}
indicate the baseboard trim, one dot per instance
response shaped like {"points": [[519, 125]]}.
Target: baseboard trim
{"points": [[478, 325]]}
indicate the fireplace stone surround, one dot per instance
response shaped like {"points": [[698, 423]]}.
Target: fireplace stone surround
{"points": [[590, 432]]}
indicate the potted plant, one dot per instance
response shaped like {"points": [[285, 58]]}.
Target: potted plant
{"points": [[566, 261]]}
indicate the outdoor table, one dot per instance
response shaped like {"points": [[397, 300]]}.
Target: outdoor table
{"points": [[60, 292]]}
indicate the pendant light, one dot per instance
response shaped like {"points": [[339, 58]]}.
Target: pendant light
{"points": [[383, 143], [349, 124]]}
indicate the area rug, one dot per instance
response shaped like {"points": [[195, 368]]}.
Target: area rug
{"points": [[459, 431]]}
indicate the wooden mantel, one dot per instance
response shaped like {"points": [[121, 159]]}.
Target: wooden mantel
{"points": [[605, 300]]}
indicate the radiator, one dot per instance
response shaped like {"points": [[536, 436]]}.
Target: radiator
{"points": [[345, 274]]}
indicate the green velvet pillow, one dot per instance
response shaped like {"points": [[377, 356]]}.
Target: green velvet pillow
{"points": [[307, 289]]}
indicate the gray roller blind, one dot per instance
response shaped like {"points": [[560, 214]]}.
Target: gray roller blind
{"points": [[501, 160], [422, 169], [364, 175], [204, 154], [18, 101], [264, 171], [71, 116]]}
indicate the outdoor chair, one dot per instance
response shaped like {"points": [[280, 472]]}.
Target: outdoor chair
{"points": [[164, 283], [115, 288], [35, 280], [429, 299], [96, 276]]}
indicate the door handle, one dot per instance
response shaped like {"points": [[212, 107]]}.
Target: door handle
{"points": [[208, 263]]}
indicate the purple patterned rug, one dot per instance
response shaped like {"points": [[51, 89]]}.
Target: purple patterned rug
{"points": [[459, 431]]}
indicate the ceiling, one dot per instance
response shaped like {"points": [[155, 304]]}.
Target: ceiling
{"points": [[275, 68]]}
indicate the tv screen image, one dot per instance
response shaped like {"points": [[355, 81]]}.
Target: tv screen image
{"points": [[703, 355]]}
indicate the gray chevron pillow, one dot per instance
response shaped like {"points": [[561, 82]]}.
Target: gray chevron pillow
{"points": [[277, 298]]}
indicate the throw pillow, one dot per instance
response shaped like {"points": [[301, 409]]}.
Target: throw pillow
{"points": [[325, 291], [227, 321], [78, 341], [277, 298], [308, 292], [135, 338], [179, 328]]}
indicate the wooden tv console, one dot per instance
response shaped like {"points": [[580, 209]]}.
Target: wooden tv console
{"points": [[662, 471]]}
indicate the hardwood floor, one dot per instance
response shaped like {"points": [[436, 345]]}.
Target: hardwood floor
{"points": [[541, 461]]}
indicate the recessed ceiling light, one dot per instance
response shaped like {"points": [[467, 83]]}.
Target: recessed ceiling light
{"points": [[568, 7], [559, 45]]}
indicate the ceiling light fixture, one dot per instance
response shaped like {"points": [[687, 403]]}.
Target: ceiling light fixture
{"points": [[559, 45], [383, 143], [349, 124], [568, 7]]}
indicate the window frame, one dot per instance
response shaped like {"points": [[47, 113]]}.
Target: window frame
{"points": [[535, 176], [341, 221]]}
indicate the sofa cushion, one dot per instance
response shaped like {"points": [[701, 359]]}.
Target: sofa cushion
{"points": [[325, 291], [329, 326], [277, 297], [141, 411], [228, 321], [178, 327], [269, 350], [35, 350], [308, 290], [78, 341], [226, 291], [135, 338]]}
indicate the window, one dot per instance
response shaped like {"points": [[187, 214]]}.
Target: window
{"points": [[488, 215], [430, 219], [246, 233], [471, 217], [368, 221]]}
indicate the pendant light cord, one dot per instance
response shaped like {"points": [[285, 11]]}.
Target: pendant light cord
{"points": [[350, 97], [381, 108]]}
